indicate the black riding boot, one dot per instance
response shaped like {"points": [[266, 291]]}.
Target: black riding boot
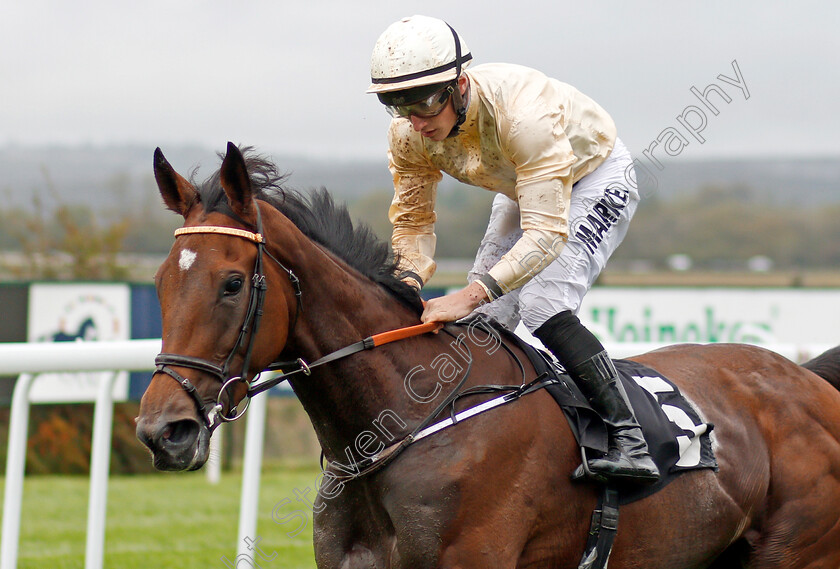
{"points": [[628, 455], [587, 362]]}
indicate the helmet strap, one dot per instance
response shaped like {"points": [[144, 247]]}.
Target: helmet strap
{"points": [[457, 100], [460, 107]]}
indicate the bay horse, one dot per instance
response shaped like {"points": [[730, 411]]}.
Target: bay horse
{"points": [[493, 491]]}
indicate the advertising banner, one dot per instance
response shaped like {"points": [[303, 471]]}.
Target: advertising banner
{"points": [[77, 313], [675, 315]]}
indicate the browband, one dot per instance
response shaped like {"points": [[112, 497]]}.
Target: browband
{"points": [[255, 237]]}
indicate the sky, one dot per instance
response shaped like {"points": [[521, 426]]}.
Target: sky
{"points": [[290, 77]]}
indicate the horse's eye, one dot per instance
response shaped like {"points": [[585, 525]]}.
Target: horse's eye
{"points": [[233, 286]]}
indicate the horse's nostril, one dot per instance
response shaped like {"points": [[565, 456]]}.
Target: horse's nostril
{"points": [[180, 432]]}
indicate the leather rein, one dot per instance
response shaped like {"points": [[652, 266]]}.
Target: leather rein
{"points": [[212, 411]]}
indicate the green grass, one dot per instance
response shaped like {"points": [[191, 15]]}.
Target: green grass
{"points": [[166, 520]]}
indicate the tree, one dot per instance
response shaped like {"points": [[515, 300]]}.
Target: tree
{"points": [[59, 241]]}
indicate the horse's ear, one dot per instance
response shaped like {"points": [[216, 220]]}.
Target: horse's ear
{"points": [[235, 180], [177, 193]]}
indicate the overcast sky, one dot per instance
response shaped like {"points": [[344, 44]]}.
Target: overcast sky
{"points": [[289, 77]]}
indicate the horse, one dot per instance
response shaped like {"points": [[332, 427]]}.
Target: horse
{"points": [[86, 331], [492, 491]]}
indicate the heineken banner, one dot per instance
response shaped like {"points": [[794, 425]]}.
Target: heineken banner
{"points": [[675, 315]]}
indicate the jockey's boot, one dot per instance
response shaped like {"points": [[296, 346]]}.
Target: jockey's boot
{"points": [[628, 457], [584, 357]]}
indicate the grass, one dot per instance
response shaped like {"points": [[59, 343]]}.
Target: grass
{"points": [[167, 520]]}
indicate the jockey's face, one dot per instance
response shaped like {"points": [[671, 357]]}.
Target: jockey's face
{"points": [[439, 126]]}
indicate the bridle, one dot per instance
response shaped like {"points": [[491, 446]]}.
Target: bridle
{"points": [[212, 411]]}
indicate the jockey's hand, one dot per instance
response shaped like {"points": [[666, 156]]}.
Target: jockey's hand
{"points": [[454, 306]]}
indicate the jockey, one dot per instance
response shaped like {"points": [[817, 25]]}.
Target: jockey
{"points": [[562, 207]]}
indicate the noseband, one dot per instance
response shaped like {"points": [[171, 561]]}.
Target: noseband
{"points": [[211, 411]]}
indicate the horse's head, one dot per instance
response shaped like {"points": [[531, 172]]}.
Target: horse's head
{"points": [[212, 290]]}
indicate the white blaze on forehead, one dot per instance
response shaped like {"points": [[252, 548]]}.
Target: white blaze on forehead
{"points": [[187, 259]]}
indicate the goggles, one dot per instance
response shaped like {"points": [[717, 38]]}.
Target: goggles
{"points": [[428, 107]]}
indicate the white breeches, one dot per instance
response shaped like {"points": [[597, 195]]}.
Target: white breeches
{"points": [[602, 205]]}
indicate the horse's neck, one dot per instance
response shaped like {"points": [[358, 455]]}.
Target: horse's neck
{"points": [[341, 307]]}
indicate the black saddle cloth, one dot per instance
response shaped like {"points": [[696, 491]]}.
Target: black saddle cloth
{"points": [[677, 437]]}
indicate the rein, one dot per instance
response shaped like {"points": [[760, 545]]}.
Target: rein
{"points": [[510, 393], [367, 344]]}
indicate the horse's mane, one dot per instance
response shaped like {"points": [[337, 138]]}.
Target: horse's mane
{"points": [[319, 218], [827, 366]]}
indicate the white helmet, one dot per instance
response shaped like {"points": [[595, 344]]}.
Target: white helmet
{"points": [[415, 52]]}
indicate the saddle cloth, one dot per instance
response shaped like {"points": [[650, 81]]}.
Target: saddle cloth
{"points": [[678, 439]]}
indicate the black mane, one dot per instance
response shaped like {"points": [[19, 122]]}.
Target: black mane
{"points": [[322, 220]]}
